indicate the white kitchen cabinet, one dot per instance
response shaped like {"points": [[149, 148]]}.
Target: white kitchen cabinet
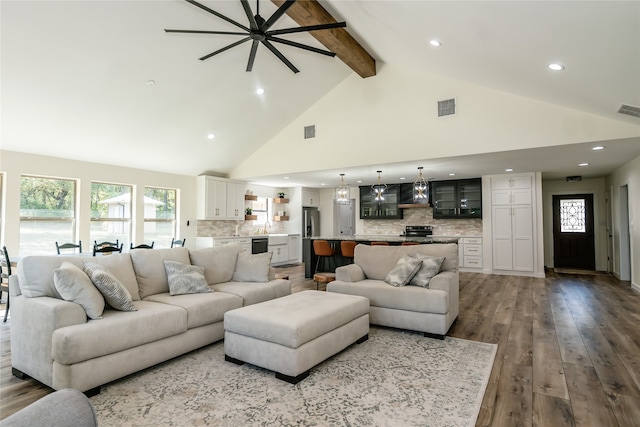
{"points": [[294, 248], [235, 200], [219, 199], [244, 242], [280, 253], [310, 198], [470, 253], [512, 223]]}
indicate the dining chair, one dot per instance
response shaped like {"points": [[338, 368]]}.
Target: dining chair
{"points": [[73, 246], [177, 242], [5, 272], [106, 248], [142, 246]]}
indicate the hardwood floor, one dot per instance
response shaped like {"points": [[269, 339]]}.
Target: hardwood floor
{"points": [[568, 349]]}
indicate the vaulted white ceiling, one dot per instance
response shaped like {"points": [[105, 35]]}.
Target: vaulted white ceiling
{"points": [[76, 74]]}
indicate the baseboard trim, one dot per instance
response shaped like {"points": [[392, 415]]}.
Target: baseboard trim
{"points": [[635, 287]]}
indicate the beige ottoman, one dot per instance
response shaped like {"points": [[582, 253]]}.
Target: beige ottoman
{"points": [[292, 334]]}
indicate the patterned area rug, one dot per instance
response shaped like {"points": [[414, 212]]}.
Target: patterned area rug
{"points": [[396, 378]]}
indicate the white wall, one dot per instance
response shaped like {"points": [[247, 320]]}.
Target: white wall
{"points": [[586, 186], [628, 175], [13, 165]]}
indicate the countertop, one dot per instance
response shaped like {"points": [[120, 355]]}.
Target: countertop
{"points": [[248, 236], [389, 238]]}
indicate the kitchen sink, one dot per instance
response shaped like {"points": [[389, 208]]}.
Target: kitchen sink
{"points": [[278, 239]]}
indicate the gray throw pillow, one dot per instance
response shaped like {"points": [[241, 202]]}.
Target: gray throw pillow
{"points": [[114, 292], [252, 267], [430, 267], [185, 278], [404, 270], [74, 285]]}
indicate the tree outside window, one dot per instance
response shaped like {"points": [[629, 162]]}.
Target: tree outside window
{"points": [[47, 214], [159, 216], [110, 213]]}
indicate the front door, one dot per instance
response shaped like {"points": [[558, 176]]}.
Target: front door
{"points": [[573, 236]]}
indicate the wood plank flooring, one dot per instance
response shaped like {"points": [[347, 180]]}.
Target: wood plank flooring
{"points": [[568, 349]]}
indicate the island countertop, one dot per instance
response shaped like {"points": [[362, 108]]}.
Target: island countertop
{"points": [[364, 238]]}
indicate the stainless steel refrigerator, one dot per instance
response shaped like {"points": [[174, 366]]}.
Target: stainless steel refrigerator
{"points": [[310, 222]]}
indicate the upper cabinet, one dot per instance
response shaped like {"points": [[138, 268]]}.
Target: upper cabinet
{"points": [[457, 198], [511, 190], [310, 198], [219, 199], [380, 209]]}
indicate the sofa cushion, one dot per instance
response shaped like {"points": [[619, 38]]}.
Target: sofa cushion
{"points": [[403, 271], [429, 268], [252, 267], [202, 309], [114, 292], [74, 285], [219, 262], [149, 268], [410, 298], [185, 278], [35, 273], [377, 261], [117, 331], [253, 293]]}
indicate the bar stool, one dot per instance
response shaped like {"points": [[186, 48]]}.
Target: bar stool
{"points": [[347, 248], [323, 250], [379, 243], [409, 243]]}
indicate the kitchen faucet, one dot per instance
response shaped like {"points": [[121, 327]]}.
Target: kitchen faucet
{"points": [[266, 224]]}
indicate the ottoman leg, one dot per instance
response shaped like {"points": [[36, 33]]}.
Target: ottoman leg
{"points": [[293, 380], [363, 339], [233, 360]]}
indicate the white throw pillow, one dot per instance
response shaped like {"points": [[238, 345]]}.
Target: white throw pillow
{"points": [[74, 285], [429, 268], [114, 292], [252, 267], [185, 278], [403, 272]]}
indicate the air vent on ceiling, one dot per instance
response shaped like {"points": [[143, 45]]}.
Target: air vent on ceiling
{"points": [[446, 107], [310, 132], [574, 178], [629, 110]]}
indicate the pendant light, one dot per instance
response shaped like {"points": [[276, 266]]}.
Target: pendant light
{"points": [[379, 189], [420, 189], [342, 192]]}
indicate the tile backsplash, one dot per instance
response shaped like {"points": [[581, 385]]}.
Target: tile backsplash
{"points": [[228, 228], [424, 216]]}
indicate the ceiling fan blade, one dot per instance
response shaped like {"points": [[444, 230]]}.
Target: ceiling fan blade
{"points": [[277, 15], [252, 55], [205, 32], [219, 15], [247, 9], [301, 46], [307, 28], [225, 48], [280, 56]]}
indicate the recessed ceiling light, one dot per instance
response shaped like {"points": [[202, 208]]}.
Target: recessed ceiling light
{"points": [[260, 91], [211, 136], [286, 177], [597, 148], [359, 181], [452, 174], [435, 43], [323, 184], [403, 178], [556, 67], [584, 164], [508, 170], [151, 82]]}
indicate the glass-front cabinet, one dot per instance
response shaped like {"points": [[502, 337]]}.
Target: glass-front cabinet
{"points": [[457, 199], [380, 209]]}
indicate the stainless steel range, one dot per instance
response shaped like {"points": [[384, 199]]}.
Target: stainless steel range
{"points": [[418, 231]]}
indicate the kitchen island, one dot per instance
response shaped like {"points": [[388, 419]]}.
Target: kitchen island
{"points": [[309, 257]]}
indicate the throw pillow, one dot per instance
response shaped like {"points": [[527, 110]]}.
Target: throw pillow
{"points": [[114, 292], [74, 285], [252, 267], [403, 272], [185, 278], [430, 267]]}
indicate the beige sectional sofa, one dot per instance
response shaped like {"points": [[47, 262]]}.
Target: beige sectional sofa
{"points": [[430, 310], [53, 341]]}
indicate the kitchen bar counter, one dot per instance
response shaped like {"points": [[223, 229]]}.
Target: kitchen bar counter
{"points": [[309, 257]]}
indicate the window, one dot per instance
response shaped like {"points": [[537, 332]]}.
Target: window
{"points": [[159, 216], [47, 214], [572, 216], [110, 213]]}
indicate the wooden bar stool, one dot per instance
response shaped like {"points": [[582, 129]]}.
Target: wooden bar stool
{"points": [[323, 250], [379, 243], [347, 248]]}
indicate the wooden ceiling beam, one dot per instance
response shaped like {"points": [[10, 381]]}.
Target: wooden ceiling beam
{"points": [[337, 40]]}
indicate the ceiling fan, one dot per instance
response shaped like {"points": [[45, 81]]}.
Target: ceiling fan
{"points": [[259, 32]]}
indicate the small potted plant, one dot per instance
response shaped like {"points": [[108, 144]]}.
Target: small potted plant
{"points": [[248, 211], [281, 195]]}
